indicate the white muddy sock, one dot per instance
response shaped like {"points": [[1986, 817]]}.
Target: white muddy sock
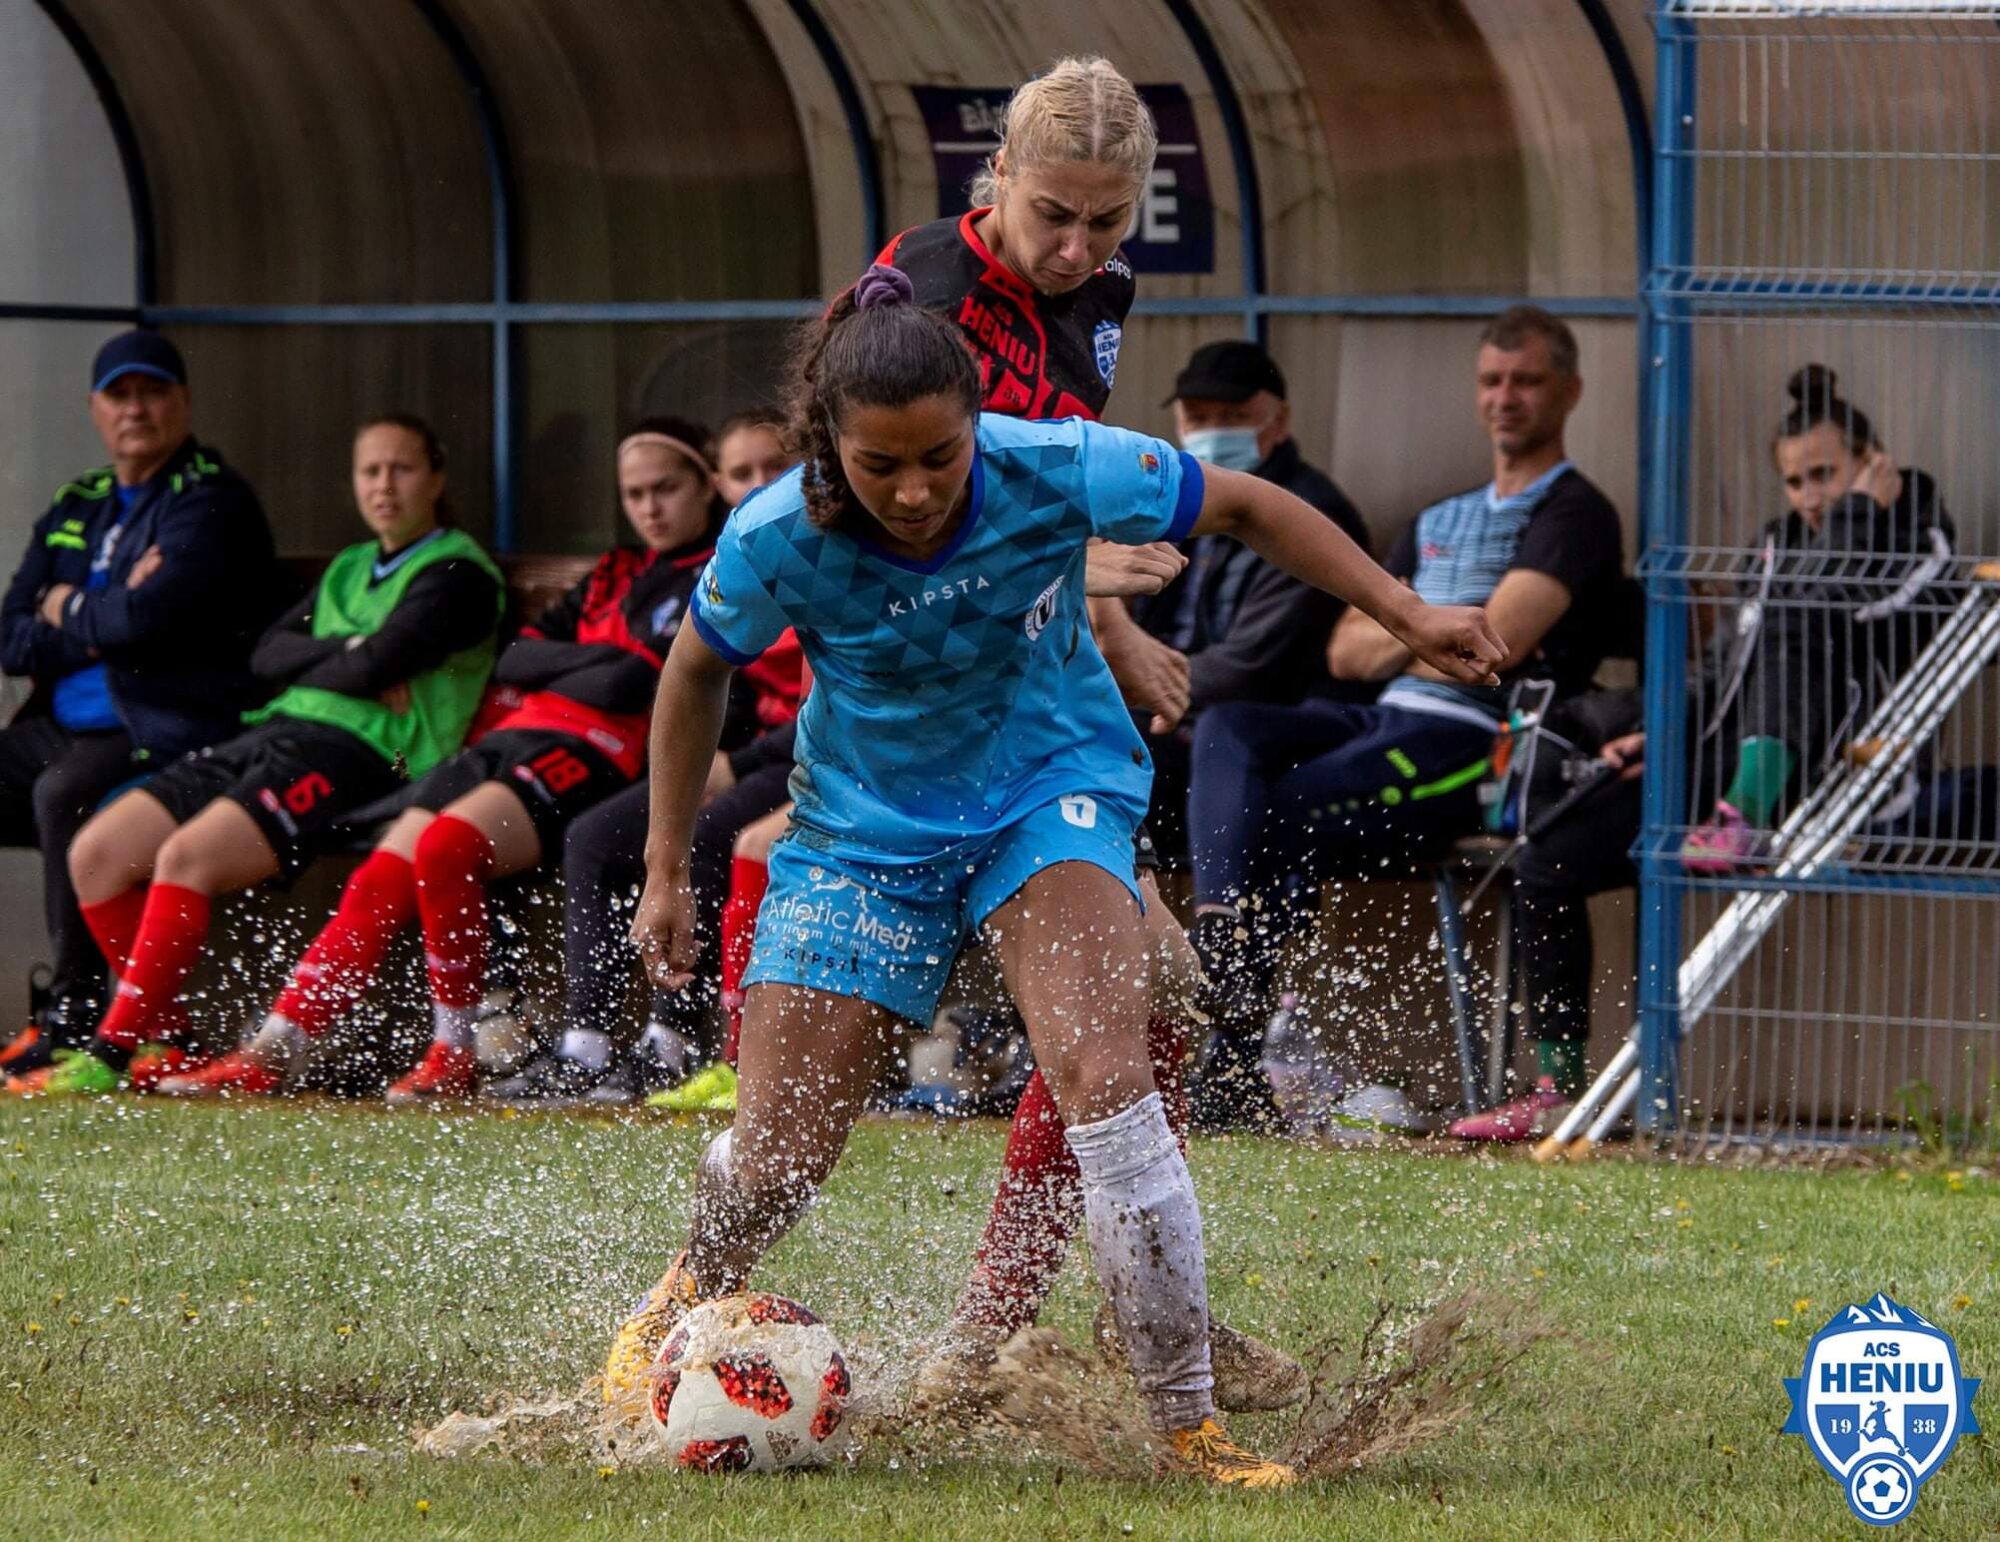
{"points": [[667, 1047], [1145, 1237], [277, 1043], [586, 1046], [453, 1025]]}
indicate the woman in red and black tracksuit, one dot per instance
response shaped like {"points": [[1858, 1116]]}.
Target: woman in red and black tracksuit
{"points": [[568, 728], [603, 866]]}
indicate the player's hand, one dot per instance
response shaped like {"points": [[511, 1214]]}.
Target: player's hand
{"points": [[1455, 640], [397, 698], [53, 601], [1151, 676], [663, 929], [1111, 571], [721, 777], [150, 562], [1628, 754], [1879, 479]]}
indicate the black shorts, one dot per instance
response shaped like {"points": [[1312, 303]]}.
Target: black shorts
{"points": [[557, 776], [296, 779]]}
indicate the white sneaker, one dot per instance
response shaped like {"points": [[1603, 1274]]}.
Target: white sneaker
{"points": [[1377, 1109]]}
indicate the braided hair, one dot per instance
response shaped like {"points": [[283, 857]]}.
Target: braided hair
{"points": [[874, 347]]}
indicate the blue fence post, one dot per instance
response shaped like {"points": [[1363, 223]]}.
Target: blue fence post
{"points": [[1669, 346]]}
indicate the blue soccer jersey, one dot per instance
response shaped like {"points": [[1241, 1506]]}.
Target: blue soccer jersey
{"points": [[953, 696]]}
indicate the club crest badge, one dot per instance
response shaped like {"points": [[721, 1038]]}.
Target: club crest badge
{"points": [[1106, 338], [1881, 1404]]}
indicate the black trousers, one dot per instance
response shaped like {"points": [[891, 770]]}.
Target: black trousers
{"points": [[603, 868], [51, 782], [1584, 853]]}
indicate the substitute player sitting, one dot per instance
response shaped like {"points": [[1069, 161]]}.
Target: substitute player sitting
{"points": [[965, 764], [571, 731], [382, 666]]}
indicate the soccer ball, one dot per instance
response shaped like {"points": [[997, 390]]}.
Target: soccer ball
{"points": [[1881, 1489], [751, 1383]]}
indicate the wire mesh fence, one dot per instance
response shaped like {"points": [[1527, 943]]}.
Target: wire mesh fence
{"points": [[1822, 868]]}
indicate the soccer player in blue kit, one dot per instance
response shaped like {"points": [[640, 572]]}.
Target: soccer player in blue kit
{"points": [[965, 765]]}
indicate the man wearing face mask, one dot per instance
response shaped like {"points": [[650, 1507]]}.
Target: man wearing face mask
{"points": [[1249, 631]]}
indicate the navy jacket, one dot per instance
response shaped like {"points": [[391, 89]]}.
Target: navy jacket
{"points": [[1251, 631], [177, 647]]}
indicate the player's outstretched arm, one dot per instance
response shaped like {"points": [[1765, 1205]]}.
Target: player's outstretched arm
{"points": [[687, 726], [1454, 639]]}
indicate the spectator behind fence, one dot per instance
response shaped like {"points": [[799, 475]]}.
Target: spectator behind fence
{"points": [[1247, 630], [133, 612], [566, 729], [1283, 797], [1808, 633], [604, 864], [379, 671], [1828, 619]]}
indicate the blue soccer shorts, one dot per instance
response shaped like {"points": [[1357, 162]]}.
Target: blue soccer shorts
{"points": [[854, 926]]}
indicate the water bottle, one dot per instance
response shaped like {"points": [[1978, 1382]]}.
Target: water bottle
{"points": [[1304, 1084]]}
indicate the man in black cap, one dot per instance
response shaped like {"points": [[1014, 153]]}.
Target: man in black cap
{"points": [[1247, 630], [133, 612]]}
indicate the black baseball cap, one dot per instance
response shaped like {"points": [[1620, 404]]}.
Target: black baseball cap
{"points": [[143, 353], [1232, 371]]}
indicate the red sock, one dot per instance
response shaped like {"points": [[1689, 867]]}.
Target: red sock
{"points": [[1040, 1202], [378, 902], [1036, 1212], [748, 879], [1166, 1047], [454, 860], [114, 923], [171, 932]]}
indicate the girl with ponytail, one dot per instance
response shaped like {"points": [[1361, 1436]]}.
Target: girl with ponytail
{"points": [[966, 769]]}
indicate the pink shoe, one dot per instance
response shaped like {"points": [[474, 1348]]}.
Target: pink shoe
{"points": [[1725, 843], [1523, 1119]]}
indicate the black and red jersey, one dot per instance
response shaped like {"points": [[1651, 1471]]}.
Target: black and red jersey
{"points": [[1040, 355], [588, 664]]}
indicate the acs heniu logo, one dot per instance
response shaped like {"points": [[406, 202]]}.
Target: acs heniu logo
{"points": [[1881, 1404]]}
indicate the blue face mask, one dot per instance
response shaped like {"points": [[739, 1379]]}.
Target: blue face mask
{"points": [[1233, 449]]}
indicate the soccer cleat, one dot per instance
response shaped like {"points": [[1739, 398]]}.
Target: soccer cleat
{"points": [[1252, 1376], [957, 1379], [637, 1343], [1523, 1119], [640, 1072], [547, 1081], [709, 1091], [1208, 1451], [446, 1074], [75, 1075], [28, 1050], [235, 1074], [1724, 844], [154, 1063]]}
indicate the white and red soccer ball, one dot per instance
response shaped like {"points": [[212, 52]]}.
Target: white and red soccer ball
{"points": [[751, 1383]]}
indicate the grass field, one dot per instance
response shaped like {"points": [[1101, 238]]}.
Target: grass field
{"points": [[226, 1322]]}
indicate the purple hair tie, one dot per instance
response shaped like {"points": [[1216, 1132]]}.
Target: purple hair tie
{"points": [[883, 285]]}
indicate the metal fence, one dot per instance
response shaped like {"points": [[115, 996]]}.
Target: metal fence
{"points": [[1827, 193]]}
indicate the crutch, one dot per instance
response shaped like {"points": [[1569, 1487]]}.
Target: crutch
{"points": [[1815, 834]]}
